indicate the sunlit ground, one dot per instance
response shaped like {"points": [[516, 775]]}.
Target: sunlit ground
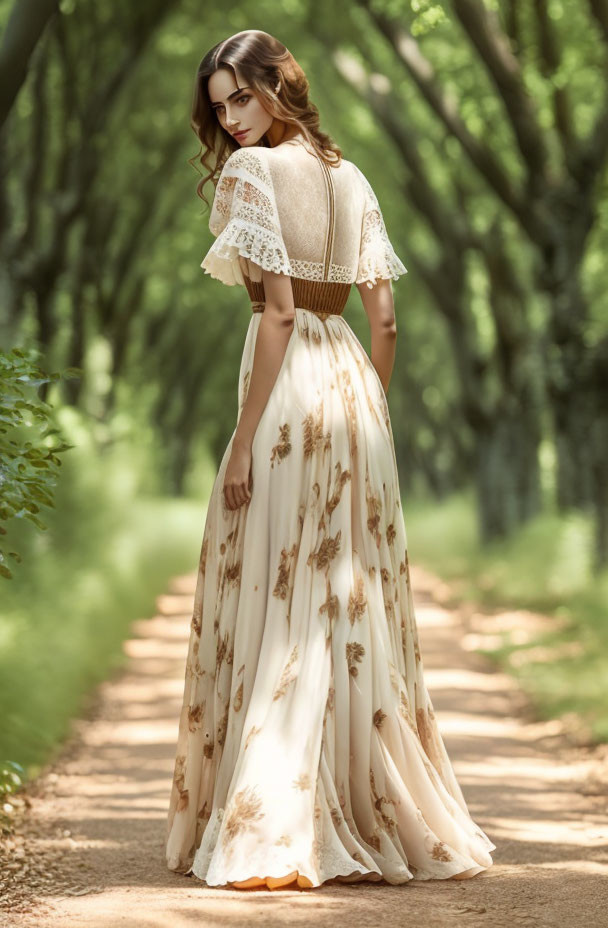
{"points": [[102, 810]]}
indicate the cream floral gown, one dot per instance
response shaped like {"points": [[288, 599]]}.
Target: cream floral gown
{"points": [[307, 744]]}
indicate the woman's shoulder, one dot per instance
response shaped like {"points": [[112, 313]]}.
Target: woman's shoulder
{"points": [[248, 157]]}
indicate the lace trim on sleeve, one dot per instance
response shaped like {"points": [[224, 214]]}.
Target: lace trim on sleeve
{"points": [[244, 217], [377, 257], [240, 237]]}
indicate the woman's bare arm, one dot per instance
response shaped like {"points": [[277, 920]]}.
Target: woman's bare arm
{"points": [[380, 310], [274, 332]]}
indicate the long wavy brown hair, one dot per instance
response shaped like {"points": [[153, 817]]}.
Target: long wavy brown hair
{"points": [[263, 61]]}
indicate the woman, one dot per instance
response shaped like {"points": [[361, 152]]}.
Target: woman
{"points": [[308, 749]]}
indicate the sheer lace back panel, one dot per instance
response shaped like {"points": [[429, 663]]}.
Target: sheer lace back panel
{"points": [[283, 209]]}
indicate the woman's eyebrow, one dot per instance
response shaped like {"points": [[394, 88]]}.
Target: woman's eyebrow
{"points": [[231, 95]]}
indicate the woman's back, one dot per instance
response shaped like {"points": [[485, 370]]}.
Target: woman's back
{"points": [[321, 211], [287, 211]]}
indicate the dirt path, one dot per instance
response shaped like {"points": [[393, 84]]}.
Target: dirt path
{"points": [[89, 850]]}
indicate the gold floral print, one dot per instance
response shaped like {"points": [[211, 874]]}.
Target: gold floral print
{"points": [[327, 551], [391, 534], [197, 618], [374, 511], [373, 402], [288, 676], [233, 572], [195, 716], [348, 394], [221, 650], [331, 606], [426, 731], [193, 664], [342, 476], [238, 697], [330, 698], [281, 587], [284, 840], [179, 776], [302, 782], [254, 730], [406, 712], [387, 588], [389, 823], [404, 567], [221, 729], [314, 439], [357, 856], [336, 816], [357, 601], [379, 717], [316, 336], [355, 653], [208, 749], [245, 808], [283, 447], [374, 841], [233, 536], [440, 852], [202, 563]]}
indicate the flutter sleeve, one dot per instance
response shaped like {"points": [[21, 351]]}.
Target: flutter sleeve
{"points": [[377, 258], [245, 221]]}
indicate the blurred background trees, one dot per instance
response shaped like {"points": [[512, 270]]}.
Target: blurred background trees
{"points": [[483, 127]]}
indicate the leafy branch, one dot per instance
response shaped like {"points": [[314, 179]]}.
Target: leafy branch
{"points": [[28, 466]]}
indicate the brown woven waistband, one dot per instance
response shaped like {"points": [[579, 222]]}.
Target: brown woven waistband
{"points": [[323, 298]]}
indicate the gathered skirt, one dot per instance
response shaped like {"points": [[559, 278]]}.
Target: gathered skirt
{"points": [[307, 739]]}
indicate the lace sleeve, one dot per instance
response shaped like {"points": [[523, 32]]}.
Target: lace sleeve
{"points": [[377, 258], [244, 218]]}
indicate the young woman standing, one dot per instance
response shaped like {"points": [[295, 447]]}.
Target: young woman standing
{"points": [[308, 749]]}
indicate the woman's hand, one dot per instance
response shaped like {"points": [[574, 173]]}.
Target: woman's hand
{"points": [[237, 479]]}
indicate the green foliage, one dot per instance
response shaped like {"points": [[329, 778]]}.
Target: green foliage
{"points": [[546, 568], [108, 553], [12, 777], [28, 466]]}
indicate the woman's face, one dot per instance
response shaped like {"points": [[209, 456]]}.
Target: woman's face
{"points": [[238, 108]]}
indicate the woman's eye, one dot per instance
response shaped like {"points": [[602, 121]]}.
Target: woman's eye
{"points": [[243, 99]]}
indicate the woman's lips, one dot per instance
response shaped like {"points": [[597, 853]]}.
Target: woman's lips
{"points": [[241, 134]]}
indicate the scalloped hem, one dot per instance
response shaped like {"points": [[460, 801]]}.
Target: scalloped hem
{"points": [[298, 881]]}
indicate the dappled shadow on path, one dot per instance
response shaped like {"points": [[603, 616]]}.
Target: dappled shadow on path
{"points": [[101, 807]]}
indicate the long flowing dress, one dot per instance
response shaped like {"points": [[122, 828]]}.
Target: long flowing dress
{"points": [[307, 740]]}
